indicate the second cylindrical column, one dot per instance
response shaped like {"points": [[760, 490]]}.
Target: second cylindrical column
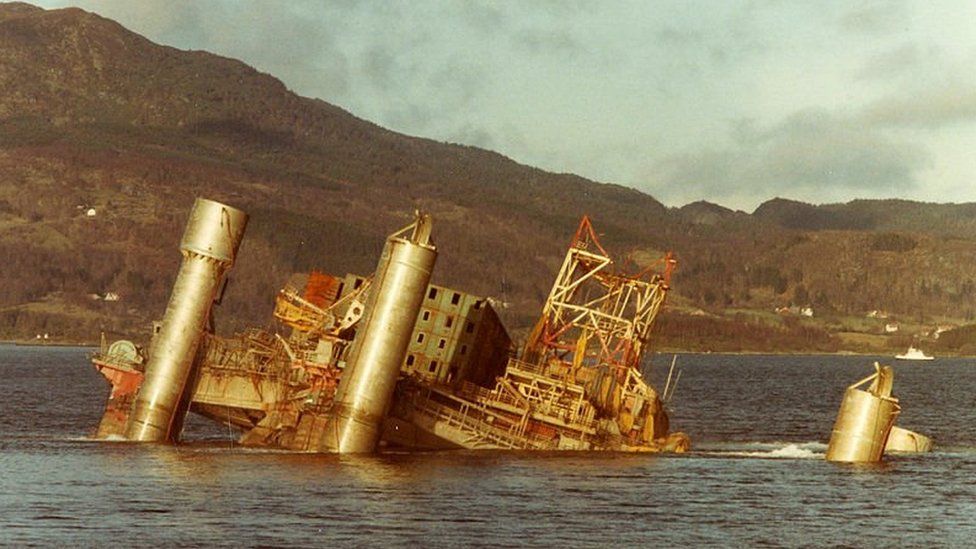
{"points": [[390, 313]]}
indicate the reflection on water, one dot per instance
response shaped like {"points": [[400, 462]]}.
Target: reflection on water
{"points": [[756, 475]]}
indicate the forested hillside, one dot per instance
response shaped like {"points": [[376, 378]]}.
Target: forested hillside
{"points": [[106, 138]]}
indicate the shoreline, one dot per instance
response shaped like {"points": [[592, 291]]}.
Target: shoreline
{"points": [[35, 343], [95, 344], [799, 353]]}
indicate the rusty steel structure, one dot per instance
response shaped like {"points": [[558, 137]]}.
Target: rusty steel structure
{"points": [[361, 363], [594, 315], [577, 384]]}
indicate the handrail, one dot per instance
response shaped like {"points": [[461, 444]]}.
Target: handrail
{"points": [[506, 438]]}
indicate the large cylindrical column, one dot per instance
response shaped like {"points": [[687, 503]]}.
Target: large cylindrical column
{"points": [[209, 246], [865, 419], [862, 427], [369, 379]]}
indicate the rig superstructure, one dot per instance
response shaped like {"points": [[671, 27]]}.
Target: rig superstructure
{"points": [[392, 360]]}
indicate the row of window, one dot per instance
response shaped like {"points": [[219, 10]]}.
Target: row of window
{"points": [[448, 321], [455, 299], [411, 358], [421, 337], [431, 366]]}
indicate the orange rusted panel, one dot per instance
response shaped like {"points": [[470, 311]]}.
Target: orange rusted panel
{"points": [[322, 289]]}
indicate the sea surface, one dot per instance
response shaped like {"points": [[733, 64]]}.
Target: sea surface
{"points": [[755, 477]]}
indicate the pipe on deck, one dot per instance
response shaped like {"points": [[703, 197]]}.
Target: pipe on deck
{"points": [[209, 246]]}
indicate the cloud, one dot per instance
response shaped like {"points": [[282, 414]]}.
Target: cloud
{"points": [[924, 88], [558, 42], [812, 155], [728, 40], [484, 18], [847, 100], [457, 87], [930, 109], [816, 150], [876, 18], [283, 39], [471, 135], [904, 59]]}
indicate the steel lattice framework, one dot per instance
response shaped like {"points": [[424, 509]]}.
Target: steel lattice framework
{"points": [[594, 316]]}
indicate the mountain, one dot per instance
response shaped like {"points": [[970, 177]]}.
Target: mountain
{"points": [[706, 213], [954, 220], [94, 116], [95, 119], [791, 214]]}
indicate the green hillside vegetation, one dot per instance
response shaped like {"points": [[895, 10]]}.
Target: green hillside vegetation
{"points": [[96, 117]]}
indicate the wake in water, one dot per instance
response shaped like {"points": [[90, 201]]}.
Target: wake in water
{"points": [[767, 450]]}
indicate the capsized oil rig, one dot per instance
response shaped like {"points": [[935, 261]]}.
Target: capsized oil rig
{"points": [[390, 360]]}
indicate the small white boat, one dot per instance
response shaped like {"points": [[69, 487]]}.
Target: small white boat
{"points": [[914, 354]]}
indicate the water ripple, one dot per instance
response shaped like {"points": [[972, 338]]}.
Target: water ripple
{"points": [[755, 477]]}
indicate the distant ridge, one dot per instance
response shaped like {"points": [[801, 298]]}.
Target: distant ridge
{"points": [[798, 215], [706, 213], [872, 215]]}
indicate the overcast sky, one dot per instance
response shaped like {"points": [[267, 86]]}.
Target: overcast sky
{"points": [[731, 102]]}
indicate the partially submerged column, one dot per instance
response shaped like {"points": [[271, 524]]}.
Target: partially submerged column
{"points": [[369, 379], [905, 441], [865, 419], [209, 246]]}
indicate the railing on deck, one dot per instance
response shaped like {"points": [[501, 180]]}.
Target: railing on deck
{"points": [[461, 418], [255, 353]]}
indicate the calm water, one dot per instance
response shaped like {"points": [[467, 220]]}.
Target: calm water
{"points": [[757, 476]]}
